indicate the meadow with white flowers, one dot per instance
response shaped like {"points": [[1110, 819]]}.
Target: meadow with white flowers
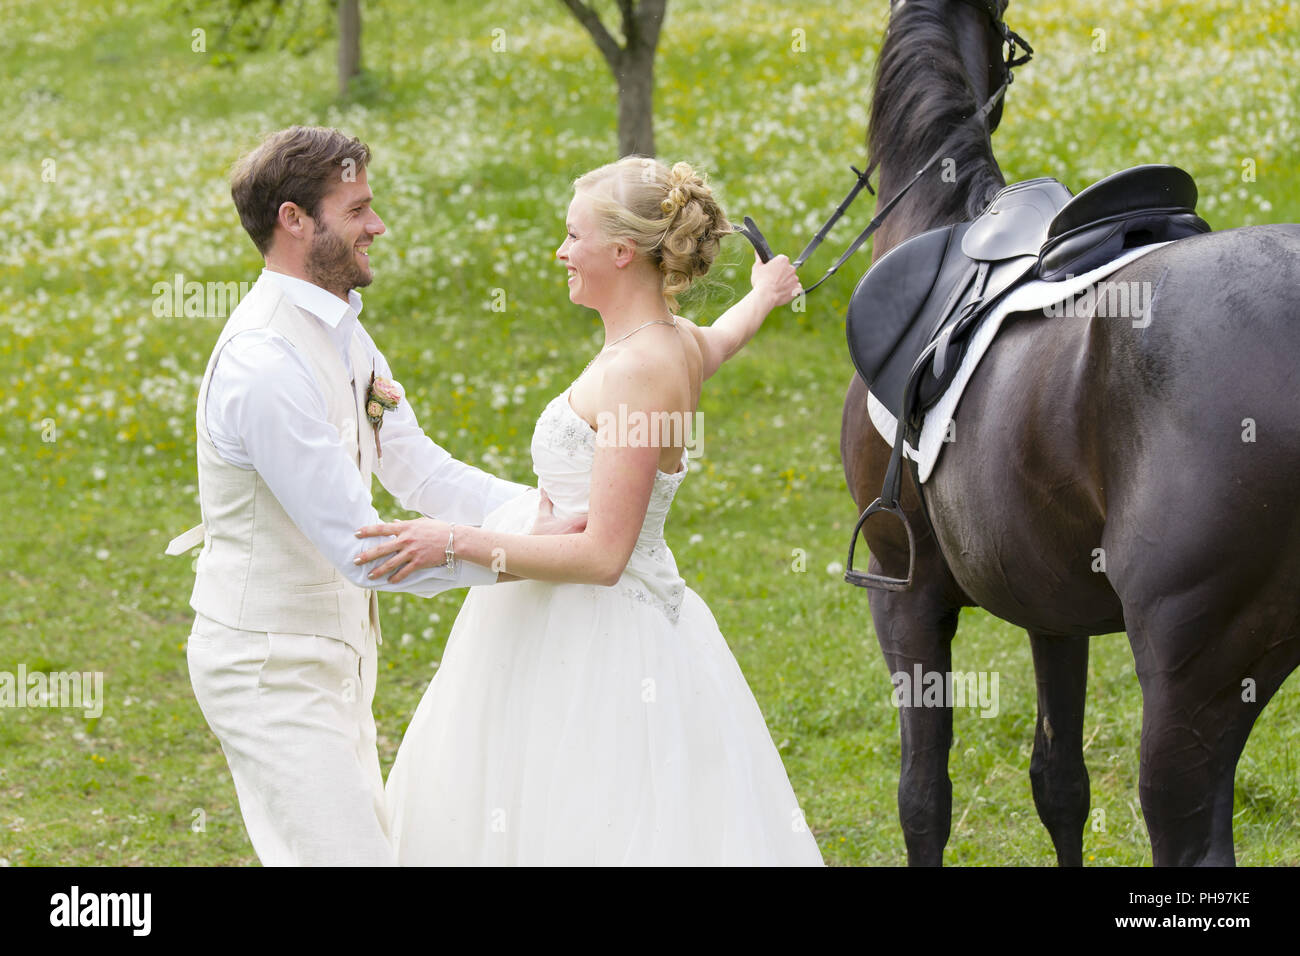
{"points": [[480, 113]]}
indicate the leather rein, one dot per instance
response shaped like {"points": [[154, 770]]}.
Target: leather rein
{"points": [[1011, 40]]}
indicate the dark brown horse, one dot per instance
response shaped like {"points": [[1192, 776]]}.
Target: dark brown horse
{"points": [[1104, 477]]}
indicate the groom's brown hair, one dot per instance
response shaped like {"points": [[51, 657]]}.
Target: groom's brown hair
{"points": [[301, 165]]}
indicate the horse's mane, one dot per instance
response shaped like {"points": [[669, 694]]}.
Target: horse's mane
{"points": [[922, 94]]}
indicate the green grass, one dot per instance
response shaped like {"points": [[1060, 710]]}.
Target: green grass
{"points": [[474, 154]]}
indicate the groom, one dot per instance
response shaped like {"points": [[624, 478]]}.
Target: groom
{"points": [[282, 654]]}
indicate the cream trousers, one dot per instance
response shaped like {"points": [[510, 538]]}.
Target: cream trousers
{"points": [[292, 712]]}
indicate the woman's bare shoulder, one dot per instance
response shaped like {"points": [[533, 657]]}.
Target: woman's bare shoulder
{"points": [[647, 374], [696, 333], [695, 348]]}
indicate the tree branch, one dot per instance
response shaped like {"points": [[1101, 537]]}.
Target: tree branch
{"points": [[628, 9], [607, 45]]}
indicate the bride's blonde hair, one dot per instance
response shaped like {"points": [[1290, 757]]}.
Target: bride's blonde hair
{"points": [[669, 214]]}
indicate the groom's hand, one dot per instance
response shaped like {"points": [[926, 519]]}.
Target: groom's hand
{"points": [[547, 523]]}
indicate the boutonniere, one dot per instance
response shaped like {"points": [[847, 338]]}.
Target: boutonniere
{"points": [[382, 395]]}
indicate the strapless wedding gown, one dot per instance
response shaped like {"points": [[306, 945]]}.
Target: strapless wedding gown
{"points": [[588, 725]]}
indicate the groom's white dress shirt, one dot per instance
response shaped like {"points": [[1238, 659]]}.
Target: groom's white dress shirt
{"points": [[266, 412]]}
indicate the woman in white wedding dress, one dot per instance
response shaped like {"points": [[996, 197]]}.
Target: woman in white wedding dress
{"points": [[592, 713]]}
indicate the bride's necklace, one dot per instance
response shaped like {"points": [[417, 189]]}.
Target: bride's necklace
{"points": [[673, 323]]}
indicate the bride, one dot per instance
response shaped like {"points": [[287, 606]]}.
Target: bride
{"points": [[593, 713]]}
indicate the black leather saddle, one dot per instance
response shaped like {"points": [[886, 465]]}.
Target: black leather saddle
{"points": [[913, 314], [1131, 208], [922, 301], [925, 296]]}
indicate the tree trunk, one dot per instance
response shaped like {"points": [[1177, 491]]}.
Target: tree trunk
{"points": [[633, 66], [636, 81], [349, 42]]}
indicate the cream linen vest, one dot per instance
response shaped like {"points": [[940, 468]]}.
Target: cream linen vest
{"points": [[257, 571]]}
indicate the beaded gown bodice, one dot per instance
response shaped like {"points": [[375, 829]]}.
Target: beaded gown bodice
{"points": [[563, 450]]}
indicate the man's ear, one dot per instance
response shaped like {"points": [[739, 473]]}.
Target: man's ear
{"points": [[293, 219]]}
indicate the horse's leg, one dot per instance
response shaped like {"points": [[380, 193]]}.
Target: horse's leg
{"points": [[1208, 657], [1198, 710], [915, 627], [1214, 625], [1189, 752], [1270, 671], [1057, 771]]}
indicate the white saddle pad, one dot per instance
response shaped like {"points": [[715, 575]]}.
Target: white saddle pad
{"points": [[1030, 297]]}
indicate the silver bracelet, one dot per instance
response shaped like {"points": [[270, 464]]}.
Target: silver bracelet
{"points": [[450, 563]]}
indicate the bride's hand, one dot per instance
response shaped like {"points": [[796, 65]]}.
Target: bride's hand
{"points": [[418, 543], [547, 523], [776, 280]]}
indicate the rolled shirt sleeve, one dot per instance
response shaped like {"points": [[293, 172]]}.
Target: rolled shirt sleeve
{"points": [[266, 412]]}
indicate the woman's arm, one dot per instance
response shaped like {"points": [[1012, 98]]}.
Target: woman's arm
{"points": [[774, 283], [622, 479]]}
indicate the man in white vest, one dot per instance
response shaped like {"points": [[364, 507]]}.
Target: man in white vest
{"points": [[282, 654]]}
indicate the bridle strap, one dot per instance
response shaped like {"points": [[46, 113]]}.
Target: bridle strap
{"points": [[1012, 40], [879, 219], [864, 182], [1009, 36]]}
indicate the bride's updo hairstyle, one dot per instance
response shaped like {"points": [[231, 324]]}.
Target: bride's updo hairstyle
{"points": [[669, 214]]}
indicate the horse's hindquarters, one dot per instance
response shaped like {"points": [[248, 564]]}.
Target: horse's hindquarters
{"points": [[1203, 534], [1203, 396]]}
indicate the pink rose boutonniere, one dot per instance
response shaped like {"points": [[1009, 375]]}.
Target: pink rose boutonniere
{"points": [[383, 395]]}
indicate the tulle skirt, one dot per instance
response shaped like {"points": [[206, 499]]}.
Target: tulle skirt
{"points": [[574, 725]]}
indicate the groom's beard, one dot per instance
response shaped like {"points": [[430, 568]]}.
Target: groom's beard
{"points": [[332, 265]]}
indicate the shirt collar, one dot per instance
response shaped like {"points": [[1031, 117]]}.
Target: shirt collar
{"points": [[326, 306], [340, 318]]}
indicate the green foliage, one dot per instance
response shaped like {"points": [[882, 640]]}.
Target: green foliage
{"points": [[254, 26]]}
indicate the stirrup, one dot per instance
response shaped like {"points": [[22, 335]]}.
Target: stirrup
{"points": [[866, 579]]}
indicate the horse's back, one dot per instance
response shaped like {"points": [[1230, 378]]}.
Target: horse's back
{"points": [[1207, 373], [1225, 302]]}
